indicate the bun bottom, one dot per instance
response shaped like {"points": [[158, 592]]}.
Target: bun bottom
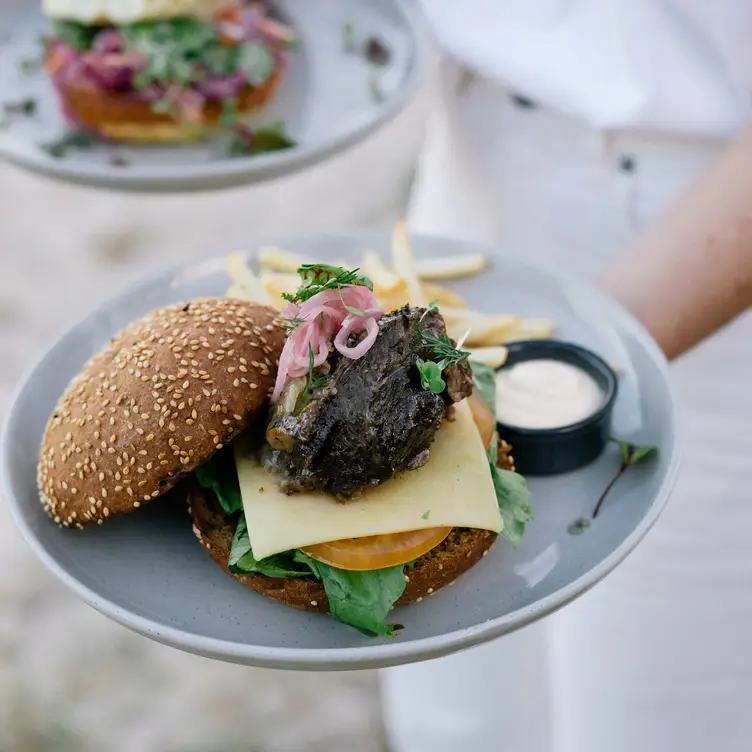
{"points": [[126, 118], [441, 566]]}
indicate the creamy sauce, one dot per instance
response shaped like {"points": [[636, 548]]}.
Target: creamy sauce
{"points": [[545, 394]]}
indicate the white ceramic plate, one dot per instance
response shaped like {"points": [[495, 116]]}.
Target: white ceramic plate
{"points": [[330, 100], [147, 571]]}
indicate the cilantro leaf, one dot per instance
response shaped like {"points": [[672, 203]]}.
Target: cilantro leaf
{"points": [[361, 599], [513, 497], [220, 476], [242, 561]]}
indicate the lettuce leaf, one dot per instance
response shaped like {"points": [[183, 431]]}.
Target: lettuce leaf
{"points": [[512, 493], [242, 560], [361, 599], [220, 476]]}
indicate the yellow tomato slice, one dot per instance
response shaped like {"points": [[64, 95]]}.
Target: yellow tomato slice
{"points": [[483, 417], [377, 551]]}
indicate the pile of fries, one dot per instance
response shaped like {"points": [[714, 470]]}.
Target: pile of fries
{"points": [[402, 280]]}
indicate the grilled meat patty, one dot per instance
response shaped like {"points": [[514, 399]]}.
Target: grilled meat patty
{"points": [[370, 419]]}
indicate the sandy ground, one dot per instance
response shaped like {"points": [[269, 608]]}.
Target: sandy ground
{"points": [[69, 678]]}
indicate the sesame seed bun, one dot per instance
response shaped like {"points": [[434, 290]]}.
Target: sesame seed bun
{"points": [[441, 566], [158, 401], [127, 118]]}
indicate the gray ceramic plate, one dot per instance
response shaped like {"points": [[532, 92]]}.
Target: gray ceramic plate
{"points": [[147, 571], [330, 100]]}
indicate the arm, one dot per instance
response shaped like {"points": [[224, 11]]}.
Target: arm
{"points": [[691, 272]]}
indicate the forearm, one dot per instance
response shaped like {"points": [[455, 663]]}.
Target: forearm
{"points": [[691, 272]]}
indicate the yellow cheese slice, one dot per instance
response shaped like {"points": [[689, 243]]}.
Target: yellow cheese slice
{"points": [[453, 489]]}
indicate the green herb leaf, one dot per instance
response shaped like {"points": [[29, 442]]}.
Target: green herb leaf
{"points": [[430, 376], [256, 61], [426, 514], [484, 385], [75, 35], [74, 140], [220, 476], [579, 526], [242, 560], [317, 278], [229, 115], [631, 454], [513, 497], [361, 599], [434, 304], [262, 141], [30, 65], [26, 107]]}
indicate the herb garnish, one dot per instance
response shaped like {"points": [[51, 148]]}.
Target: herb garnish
{"points": [[246, 142], [312, 383], [426, 514], [30, 65], [26, 107], [434, 304], [631, 454], [442, 348], [445, 353], [317, 278], [293, 323], [430, 376], [75, 140]]}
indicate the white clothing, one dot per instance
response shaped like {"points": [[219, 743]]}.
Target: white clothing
{"points": [[656, 658], [679, 66]]}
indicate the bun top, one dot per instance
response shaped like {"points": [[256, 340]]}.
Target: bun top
{"points": [[121, 12], [158, 401]]}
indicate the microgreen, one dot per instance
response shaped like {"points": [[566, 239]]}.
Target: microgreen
{"points": [[434, 304], [317, 278], [430, 376], [74, 140], [631, 454], [246, 142]]}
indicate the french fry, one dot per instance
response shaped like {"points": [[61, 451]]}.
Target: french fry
{"points": [[380, 274], [442, 295], [277, 260], [491, 356], [485, 329], [242, 276], [532, 328], [451, 267], [402, 261]]}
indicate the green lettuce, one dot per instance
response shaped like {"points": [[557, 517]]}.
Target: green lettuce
{"points": [[361, 599], [512, 493], [220, 476]]}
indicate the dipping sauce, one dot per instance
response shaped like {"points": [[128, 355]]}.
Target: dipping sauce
{"points": [[545, 393]]}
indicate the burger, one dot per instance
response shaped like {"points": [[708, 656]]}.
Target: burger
{"points": [[337, 458], [163, 71]]}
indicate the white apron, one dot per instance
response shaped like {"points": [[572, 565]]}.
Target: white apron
{"points": [[657, 658]]}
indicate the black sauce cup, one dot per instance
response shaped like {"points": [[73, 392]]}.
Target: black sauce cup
{"points": [[551, 451]]}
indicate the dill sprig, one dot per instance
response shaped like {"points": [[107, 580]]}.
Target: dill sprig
{"points": [[317, 278], [292, 323]]}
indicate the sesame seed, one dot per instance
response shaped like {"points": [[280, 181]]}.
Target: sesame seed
{"points": [[137, 504]]}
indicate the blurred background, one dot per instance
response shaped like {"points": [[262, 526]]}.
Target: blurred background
{"points": [[70, 680]]}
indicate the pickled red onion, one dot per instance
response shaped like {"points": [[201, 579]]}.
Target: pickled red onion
{"points": [[329, 314]]}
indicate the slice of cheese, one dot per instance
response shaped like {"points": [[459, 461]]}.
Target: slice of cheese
{"points": [[453, 489]]}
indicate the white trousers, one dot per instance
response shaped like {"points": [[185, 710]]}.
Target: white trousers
{"points": [[656, 658]]}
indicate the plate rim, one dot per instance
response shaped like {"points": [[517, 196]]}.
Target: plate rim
{"points": [[246, 171], [382, 654]]}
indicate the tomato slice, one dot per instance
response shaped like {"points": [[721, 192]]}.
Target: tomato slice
{"points": [[377, 551], [483, 418]]}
